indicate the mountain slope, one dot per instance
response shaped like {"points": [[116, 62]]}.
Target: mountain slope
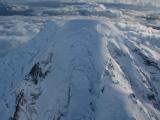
{"points": [[86, 69]]}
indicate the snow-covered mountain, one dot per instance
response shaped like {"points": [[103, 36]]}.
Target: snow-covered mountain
{"points": [[101, 66], [83, 70]]}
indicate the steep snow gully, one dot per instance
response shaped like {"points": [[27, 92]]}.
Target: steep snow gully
{"points": [[82, 70]]}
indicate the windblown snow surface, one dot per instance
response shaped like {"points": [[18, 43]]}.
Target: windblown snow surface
{"points": [[84, 68]]}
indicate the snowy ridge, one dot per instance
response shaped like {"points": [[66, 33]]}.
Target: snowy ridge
{"points": [[83, 70]]}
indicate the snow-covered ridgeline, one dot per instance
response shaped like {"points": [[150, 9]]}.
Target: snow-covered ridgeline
{"points": [[82, 70]]}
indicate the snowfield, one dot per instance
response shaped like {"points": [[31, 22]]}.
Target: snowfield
{"points": [[99, 66]]}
